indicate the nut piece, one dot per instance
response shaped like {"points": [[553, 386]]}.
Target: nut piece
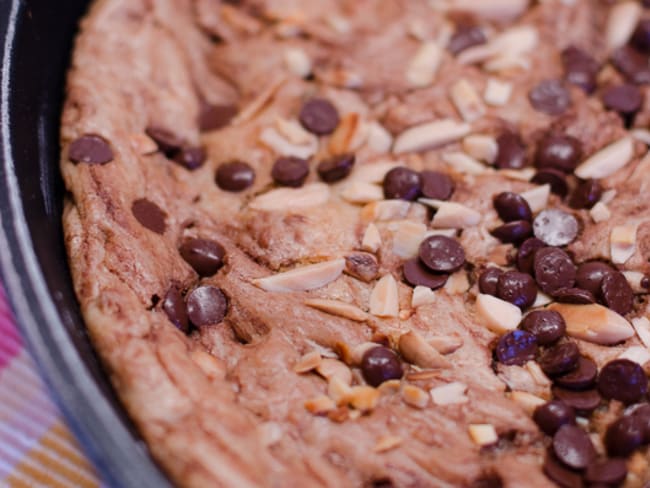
{"points": [[363, 397], [422, 295], [349, 135], [372, 172], [360, 192], [642, 327], [330, 368], [449, 394], [142, 143], [386, 210], [537, 374], [497, 92], [304, 278], [542, 299], [320, 405], [297, 62], [634, 278], [527, 401], [338, 308], [497, 10], [384, 299], [446, 344], [638, 354], [295, 133], [387, 443], [621, 22], [483, 434], [622, 243], [607, 160], [600, 212], [362, 265], [467, 100], [259, 103], [414, 396], [407, 237], [379, 139], [307, 362], [481, 147], [282, 199], [390, 387], [211, 366], [338, 390], [457, 283], [462, 163], [499, 316], [430, 135], [424, 65], [371, 241], [537, 198], [416, 350], [594, 323], [452, 215], [272, 138]]}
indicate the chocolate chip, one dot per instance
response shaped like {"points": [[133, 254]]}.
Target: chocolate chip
{"points": [[190, 157], [554, 270], [556, 179], [562, 476], [517, 288], [573, 447], [577, 296], [641, 36], [590, 275], [290, 171], [642, 413], [168, 142], [581, 378], [319, 116], [417, 274], [558, 151], [213, 117], [555, 227], [550, 97], [149, 215], [553, 415], [548, 326], [632, 64], [174, 307], [335, 168], [511, 206], [487, 281], [526, 254], [560, 359], [442, 254], [90, 149], [204, 255], [608, 471], [616, 293], [466, 36], [380, 364], [623, 380], [583, 402], [586, 194], [436, 185], [516, 347], [624, 436], [487, 480], [580, 68], [625, 99], [402, 183], [235, 176], [513, 232], [206, 305], [511, 151], [362, 265]]}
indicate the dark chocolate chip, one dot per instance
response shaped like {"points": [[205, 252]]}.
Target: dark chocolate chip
{"points": [[616, 293], [174, 307], [608, 471], [577, 296], [550, 97], [554, 270], [466, 36], [319, 116], [584, 402], [335, 168], [487, 480], [190, 157], [625, 99], [516, 347], [581, 378], [442, 254], [586, 194], [624, 436], [235, 176], [90, 149], [513, 232], [436, 185], [641, 36], [580, 68], [555, 178], [590, 275], [555, 227], [517, 288], [206, 305], [560, 359], [417, 274], [511, 151], [512, 206], [642, 413], [487, 281], [632, 64], [362, 265], [623, 380], [559, 474], [547, 325], [526, 254], [380, 364], [573, 447], [290, 171], [402, 183], [150, 215], [168, 142], [204, 255], [553, 415], [213, 117], [558, 151]]}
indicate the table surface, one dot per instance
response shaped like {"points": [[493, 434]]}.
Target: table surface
{"points": [[36, 447]]}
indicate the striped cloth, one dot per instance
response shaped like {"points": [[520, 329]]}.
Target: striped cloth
{"points": [[36, 448]]}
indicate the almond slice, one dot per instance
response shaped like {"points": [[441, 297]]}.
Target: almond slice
{"points": [[424, 65], [372, 172], [307, 362], [390, 387], [607, 160], [417, 351], [422, 295], [638, 354], [293, 132], [527, 401], [329, 368], [621, 22], [641, 135], [497, 92], [285, 199], [384, 299], [371, 241], [338, 390], [463, 163], [272, 139], [507, 62], [430, 135], [457, 283], [211, 366], [304, 278], [379, 139], [360, 192], [600, 212], [467, 100], [496, 10], [537, 374], [320, 405], [542, 299], [415, 396], [483, 434], [386, 210], [446, 344], [622, 243], [524, 174], [635, 278], [259, 102], [481, 147], [594, 323], [349, 135], [407, 238], [537, 197], [449, 394], [363, 398], [297, 62], [387, 443], [642, 327], [499, 316], [142, 143], [338, 308], [451, 214]]}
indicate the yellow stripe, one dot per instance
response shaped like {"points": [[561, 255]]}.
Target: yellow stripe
{"points": [[59, 440]]}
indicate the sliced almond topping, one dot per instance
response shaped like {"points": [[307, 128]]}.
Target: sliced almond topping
{"points": [[424, 65], [297, 62], [542, 299], [386, 210], [642, 328], [271, 138], [430, 135], [442, 232], [498, 315], [390, 387], [414, 396], [608, 196], [497, 92], [384, 299], [304, 278], [537, 374], [467, 100], [330, 368], [211, 366], [483, 434], [537, 197], [607, 160], [524, 174], [363, 398], [621, 22], [422, 295], [641, 135], [507, 62], [527, 401], [634, 278], [446, 344], [362, 265], [457, 283], [338, 390], [451, 214], [622, 243], [379, 139], [387, 443], [419, 352], [497, 10], [142, 143], [638, 354], [449, 394], [600, 212], [423, 375], [307, 362], [360, 192], [481, 147], [283, 199], [356, 353], [372, 172], [320, 405], [463, 163], [511, 43], [407, 238], [594, 323], [293, 132], [259, 102], [371, 241], [338, 308], [349, 135]]}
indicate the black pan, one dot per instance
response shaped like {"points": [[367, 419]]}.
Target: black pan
{"points": [[36, 40]]}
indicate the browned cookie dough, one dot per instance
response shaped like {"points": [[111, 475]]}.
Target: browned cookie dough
{"points": [[368, 243]]}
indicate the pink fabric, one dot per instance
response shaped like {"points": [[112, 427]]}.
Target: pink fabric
{"points": [[10, 342]]}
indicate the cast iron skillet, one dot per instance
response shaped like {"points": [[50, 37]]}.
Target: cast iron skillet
{"points": [[36, 38]]}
